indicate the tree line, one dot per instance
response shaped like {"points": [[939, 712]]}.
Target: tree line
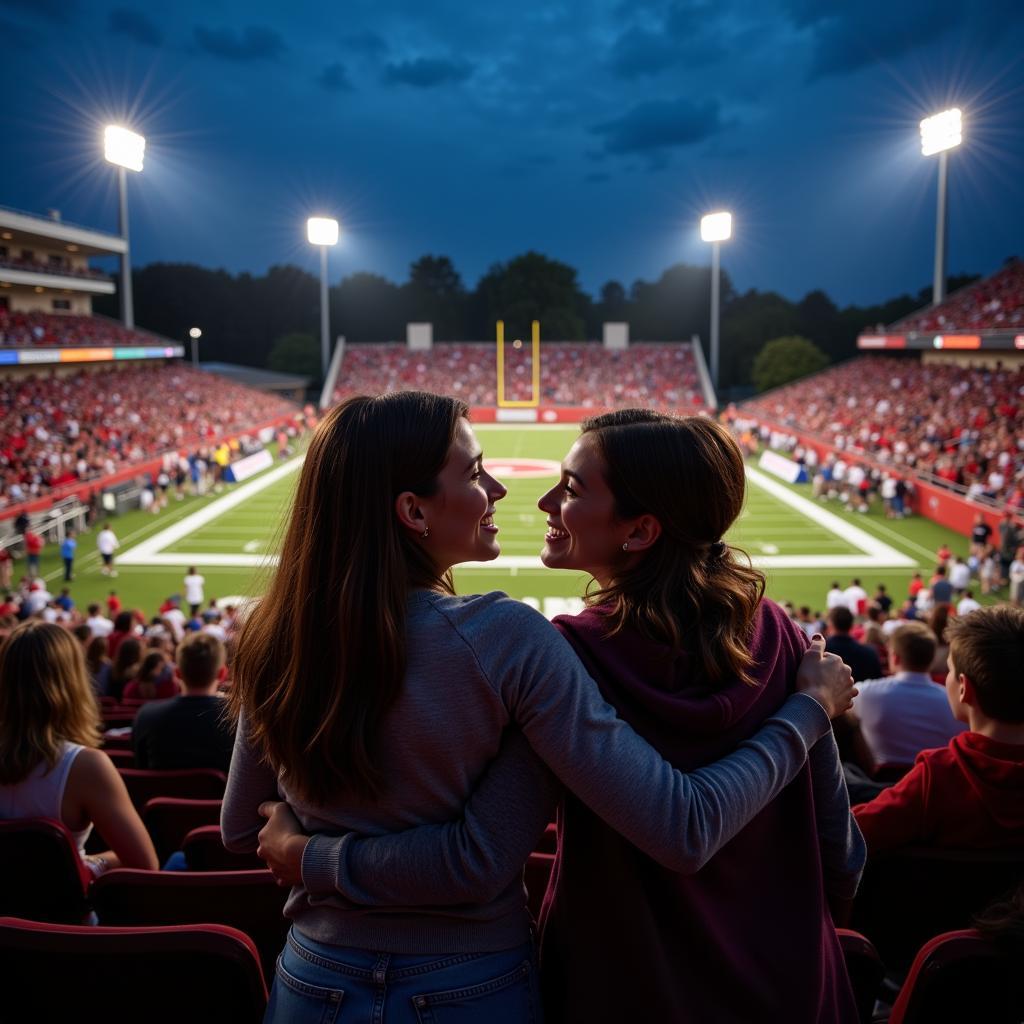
{"points": [[272, 320]]}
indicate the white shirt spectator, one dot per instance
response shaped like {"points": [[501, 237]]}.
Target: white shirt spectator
{"points": [[855, 598], [194, 588], [38, 599], [902, 715], [99, 626], [834, 598], [960, 575], [175, 618], [967, 605], [107, 542]]}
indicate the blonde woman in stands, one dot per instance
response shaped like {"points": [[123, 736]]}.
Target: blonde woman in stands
{"points": [[377, 702], [50, 766]]}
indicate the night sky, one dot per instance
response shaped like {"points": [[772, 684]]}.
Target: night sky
{"points": [[596, 133]]}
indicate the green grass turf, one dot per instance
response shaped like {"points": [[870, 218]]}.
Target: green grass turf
{"points": [[768, 526]]}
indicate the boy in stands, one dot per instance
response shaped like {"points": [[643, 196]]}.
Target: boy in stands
{"points": [[969, 794]]}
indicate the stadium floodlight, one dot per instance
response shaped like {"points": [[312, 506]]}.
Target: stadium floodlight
{"points": [[125, 149], [323, 231], [715, 228], [939, 134], [195, 334]]}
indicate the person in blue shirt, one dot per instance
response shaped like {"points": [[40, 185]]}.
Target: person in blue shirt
{"points": [[67, 552], [65, 601]]}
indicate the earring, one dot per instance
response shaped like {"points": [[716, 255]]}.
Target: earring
{"points": [[426, 532], [625, 546]]}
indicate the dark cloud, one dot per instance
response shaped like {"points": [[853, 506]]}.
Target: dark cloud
{"points": [[655, 127], [334, 78], [135, 25], [638, 52], [56, 10], [253, 43], [427, 72], [851, 36], [369, 44]]}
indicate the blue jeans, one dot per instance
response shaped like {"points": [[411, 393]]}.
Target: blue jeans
{"points": [[326, 984]]}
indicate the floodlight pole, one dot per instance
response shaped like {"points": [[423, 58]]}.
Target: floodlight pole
{"points": [[324, 314], [127, 307], [939, 277], [715, 275]]}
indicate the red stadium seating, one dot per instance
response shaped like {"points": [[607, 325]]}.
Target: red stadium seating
{"points": [[200, 972], [664, 375], [865, 969], [41, 874], [204, 851], [188, 783], [536, 876], [958, 977], [250, 901], [169, 819]]}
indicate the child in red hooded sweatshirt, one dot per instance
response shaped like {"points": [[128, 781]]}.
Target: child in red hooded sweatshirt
{"points": [[969, 794]]}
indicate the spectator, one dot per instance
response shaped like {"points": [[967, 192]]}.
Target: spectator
{"points": [[124, 667], [113, 604], [835, 597], [123, 628], [155, 680], [855, 597], [38, 597], [968, 794], [959, 575], [863, 660], [941, 588], [905, 713], [99, 624], [33, 548], [97, 664], [107, 543], [190, 730], [67, 553], [65, 600], [938, 619], [6, 567], [882, 599], [916, 585], [967, 604], [49, 764], [194, 591], [1017, 578], [980, 534], [1009, 541]]}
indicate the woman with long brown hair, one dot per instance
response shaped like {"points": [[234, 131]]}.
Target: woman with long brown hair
{"points": [[372, 698], [50, 766]]}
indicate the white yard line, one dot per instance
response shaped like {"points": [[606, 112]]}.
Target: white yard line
{"points": [[879, 553], [146, 553]]}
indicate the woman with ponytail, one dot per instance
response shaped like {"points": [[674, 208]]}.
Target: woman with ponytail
{"points": [[373, 699]]}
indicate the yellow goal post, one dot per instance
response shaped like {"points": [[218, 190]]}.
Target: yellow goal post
{"points": [[534, 399]]}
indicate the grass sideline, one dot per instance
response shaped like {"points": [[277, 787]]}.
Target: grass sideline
{"points": [[770, 529]]}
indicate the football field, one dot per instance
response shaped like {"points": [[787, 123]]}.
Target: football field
{"points": [[232, 538]]}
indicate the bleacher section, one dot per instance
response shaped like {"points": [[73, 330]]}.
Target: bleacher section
{"points": [[32, 330], [963, 426], [664, 376]]}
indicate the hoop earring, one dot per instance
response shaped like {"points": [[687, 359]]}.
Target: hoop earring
{"points": [[625, 546], [426, 532]]}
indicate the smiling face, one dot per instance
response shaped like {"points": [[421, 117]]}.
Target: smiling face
{"points": [[583, 531], [459, 516]]}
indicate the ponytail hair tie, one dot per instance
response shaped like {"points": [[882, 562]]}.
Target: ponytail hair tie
{"points": [[718, 549]]}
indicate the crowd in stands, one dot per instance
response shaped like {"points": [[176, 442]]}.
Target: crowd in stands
{"points": [[994, 303], [63, 267], [662, 376], [35, 330], [56, 430], [962, 426]]}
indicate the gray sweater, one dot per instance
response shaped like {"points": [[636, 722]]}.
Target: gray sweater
{"points": [[477, 665]]}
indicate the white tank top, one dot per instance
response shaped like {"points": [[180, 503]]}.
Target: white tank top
{"points": [[41, 794]]}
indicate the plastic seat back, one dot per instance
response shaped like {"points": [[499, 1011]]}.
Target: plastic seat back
{"points": [[200, 972], [204, 851], [189, 783], [865, 969], [42, 877], [169, 819]]}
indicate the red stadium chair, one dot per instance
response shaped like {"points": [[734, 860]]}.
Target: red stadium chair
{"points": [[549, 841], [538, 871], [42, 877], [961, 977], [907, 896], [169, 819], [121, 757], [250, 901], [865, 969], [204, 851], [189, 783], [201, 972]]}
